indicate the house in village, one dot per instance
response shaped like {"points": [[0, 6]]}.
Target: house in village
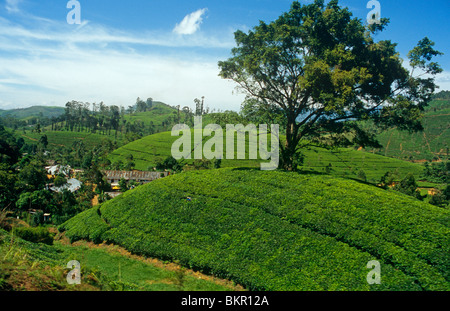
{"points": [[143, 177], [55, 170], [72, 184]]}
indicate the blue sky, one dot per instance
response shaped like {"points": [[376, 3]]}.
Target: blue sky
{"points": [[167, 50]]}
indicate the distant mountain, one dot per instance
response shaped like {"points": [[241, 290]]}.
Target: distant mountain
{"points": [[34, 111]]}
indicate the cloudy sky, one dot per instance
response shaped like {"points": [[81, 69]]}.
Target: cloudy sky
{"points": [[167, 50]]}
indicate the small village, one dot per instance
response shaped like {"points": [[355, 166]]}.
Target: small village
{"points": [[113, 178]]}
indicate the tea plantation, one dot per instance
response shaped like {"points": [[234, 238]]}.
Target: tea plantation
{"points": [[271, 230], [343, 162]]}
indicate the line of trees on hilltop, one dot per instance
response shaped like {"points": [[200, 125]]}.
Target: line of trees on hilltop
{"points": [[100, 118], [442, 95]]}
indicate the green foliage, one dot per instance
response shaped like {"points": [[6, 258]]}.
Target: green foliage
{"points": [[39, 200], [170, 163], [35, 235], [445, 95], [34, 111], [9, 150], [43, 141], [42, 267], [217, 163], [150, 150], [439, 199], [37, 218], [446, 192], [278, 231], [388, 179], [201, 164], [60, 181], [92, 230], [362, 175], [407, 185], [294, 160], [32, 177], [8, 179], [321, 66], [429, 144], [123, 185], [437, 172]]}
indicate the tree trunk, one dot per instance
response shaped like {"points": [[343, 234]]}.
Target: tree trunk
{"points": [[288, 153]]}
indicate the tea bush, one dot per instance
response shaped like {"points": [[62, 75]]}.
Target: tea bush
{"points": [[278, 230]]}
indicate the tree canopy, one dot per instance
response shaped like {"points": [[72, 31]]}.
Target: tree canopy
{"points": [[322, 67]]}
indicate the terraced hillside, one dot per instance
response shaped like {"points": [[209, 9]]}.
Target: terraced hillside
{"points": [[28, 266], [431, 144], [59, 139], [344, 162], [34, 111], [271, 230]]}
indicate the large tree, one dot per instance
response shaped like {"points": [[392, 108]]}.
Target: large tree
{"points": [[323, 68]]}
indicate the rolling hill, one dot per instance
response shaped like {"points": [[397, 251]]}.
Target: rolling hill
{"points": [[40, 267], [344, 162], [272, 230], [155, 117], [60, 139], [431, 144], [34, 111], [159, 113]]}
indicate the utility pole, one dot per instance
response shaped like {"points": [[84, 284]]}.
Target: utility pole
{"points": [[203, 100]]}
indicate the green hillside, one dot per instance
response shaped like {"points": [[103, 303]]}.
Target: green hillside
{"points": [[34, 111], [158, 118], [58, 139], [344, 162], [432, 143], [150, 150], [278, 231], [159, 113], [347, 162], [39, 267]]}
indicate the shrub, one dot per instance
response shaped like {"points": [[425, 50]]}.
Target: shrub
{"points": [[278, 230], [362, 175], [407, 185], [170, 163], [438, 199], [35, 235]]}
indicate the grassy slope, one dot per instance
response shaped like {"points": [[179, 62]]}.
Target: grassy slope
{"points": [[58, 139], [426, 145], [345, 162], [153, 148], [156, 115], [159, 113], [279, 231], [34, 111], [39, 267]]}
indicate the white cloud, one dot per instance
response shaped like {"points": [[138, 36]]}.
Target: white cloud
{"points": [[190, 23], [114, 78], [53, 63], [89, 33], [12, 6], [443, 80]]}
